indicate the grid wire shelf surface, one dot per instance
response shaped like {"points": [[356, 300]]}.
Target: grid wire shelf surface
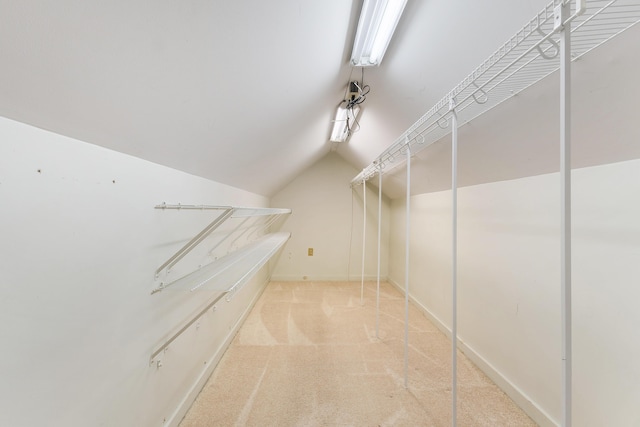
{"points": [[226, 275], [227, 212], [526, 58], [231, 271]]}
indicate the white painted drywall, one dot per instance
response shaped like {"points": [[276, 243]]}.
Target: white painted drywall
{"points": [[509, 284], [327, 216], [80, 244]]}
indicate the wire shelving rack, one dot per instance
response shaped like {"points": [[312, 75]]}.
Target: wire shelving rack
{"points": [[526, 58]]}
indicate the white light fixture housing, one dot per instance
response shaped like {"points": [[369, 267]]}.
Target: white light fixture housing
{"points": [[378, 20], [344, 122]]}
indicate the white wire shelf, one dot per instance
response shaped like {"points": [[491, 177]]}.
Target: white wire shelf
{"points": [[232, 271], [227, 212], [226, 275], [526, 58]]}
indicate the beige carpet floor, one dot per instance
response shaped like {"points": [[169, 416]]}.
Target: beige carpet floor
{"points": [[308, 355]]}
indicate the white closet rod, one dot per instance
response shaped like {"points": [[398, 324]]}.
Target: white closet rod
{"points": [[239, 211], [199, 207]]}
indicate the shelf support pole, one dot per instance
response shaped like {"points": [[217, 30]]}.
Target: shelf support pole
{"points": [[454, 261], [379, 234], [364, 236], [561, 13], [406, 269]]}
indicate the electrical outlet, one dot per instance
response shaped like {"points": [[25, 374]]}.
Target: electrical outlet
{"points": [[310, 252]]}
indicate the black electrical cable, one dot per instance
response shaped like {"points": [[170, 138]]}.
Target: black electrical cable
{"points": [[352, 122], [352, 128], [363, 91]]}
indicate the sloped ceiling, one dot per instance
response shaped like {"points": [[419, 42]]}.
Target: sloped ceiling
{"points": [[241, 92]]}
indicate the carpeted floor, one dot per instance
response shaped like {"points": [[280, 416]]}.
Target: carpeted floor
{"points": [[308, 356]]}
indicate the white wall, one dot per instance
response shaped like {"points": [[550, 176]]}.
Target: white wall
{"points": [[324, 211], [80, 244], [509, 285]]}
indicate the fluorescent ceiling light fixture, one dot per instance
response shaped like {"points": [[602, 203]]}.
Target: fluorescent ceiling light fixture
{"points": [[377, 23], [344, 123]]}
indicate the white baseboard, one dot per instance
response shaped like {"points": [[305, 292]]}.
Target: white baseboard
{"points": [[200, 382], [536, 413]]}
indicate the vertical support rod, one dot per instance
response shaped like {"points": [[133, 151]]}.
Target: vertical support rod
{"points": [[379, 235], [364, 235], [406, 271], [565, 207], [454, 262]]}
